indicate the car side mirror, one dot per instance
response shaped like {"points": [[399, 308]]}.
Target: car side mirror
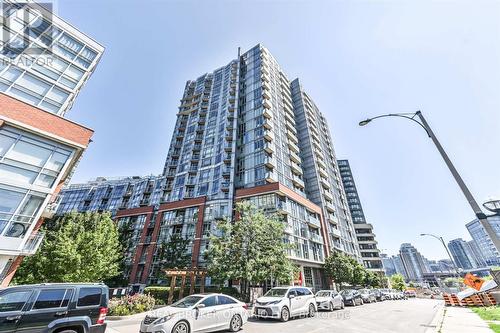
{"points": [[291, 296], [200, 306]]}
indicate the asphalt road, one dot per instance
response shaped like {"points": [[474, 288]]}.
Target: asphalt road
{"points": [[410, 316]]}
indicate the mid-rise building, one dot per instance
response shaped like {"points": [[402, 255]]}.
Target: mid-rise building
{"points": [[483, 241], [413, 262], [461, 254], [44, 63], [246, 132], [370, 254], [111, 194]]}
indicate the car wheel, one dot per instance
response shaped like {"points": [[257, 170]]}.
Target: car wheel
{"points": [[312, 311], [67, 331], [235, 324], [285, 314], [181, 327]]}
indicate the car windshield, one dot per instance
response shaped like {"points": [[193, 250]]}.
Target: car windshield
{"points": [[187, 302], [323, 294], [346, 292], [276, 292], [364, 291]]}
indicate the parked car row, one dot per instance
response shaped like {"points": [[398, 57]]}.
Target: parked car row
{"points": [[82, 308]]}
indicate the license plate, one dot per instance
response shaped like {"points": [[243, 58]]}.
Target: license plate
{"points": [[262, 313]]}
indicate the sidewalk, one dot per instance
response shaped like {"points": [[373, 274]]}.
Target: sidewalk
{"points": [[458, 319]]}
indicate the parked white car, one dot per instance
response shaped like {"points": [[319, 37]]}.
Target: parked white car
{"points": [[286, 302], [329, 300], [197, 313]]}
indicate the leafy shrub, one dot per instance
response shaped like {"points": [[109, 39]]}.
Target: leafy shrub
{"points": [[129, 305]]}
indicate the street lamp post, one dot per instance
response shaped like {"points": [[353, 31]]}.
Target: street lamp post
{"points": [[468, 195], [447, 251]]}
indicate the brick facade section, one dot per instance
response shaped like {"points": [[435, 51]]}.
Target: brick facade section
{"points": [[40, 120], [151, 247]]}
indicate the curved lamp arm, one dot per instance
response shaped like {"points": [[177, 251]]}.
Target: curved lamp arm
{"points": [[409, 116]]}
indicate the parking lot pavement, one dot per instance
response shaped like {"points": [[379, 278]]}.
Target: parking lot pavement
{"points": [[412, 316]]}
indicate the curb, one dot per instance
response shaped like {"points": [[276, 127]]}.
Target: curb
{"points": [[437, 321]]}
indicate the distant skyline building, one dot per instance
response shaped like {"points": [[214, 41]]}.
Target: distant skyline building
{"points": [[44, 64], [393, 265], [476, 254], [461, 253], [370, 254], [483, 241], [413, 262]]}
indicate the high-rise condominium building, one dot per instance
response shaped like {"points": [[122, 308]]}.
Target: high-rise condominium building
{"points": [[370, 254], [44, 63], [483, 241], [462, 254], [413, 262], [245, 132]]}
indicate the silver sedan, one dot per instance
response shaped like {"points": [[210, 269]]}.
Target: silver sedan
{"points": [[329, 300]]}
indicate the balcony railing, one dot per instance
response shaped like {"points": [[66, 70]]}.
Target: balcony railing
{"points": [[32, 244]]}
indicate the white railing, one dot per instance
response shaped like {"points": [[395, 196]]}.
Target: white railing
{"points": [[33, 243]]}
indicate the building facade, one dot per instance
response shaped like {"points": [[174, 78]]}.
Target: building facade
{"points": [[370, 254], [483, 241], [44, 63], [245, 132], [413, 262], [111, 194], [462, 254]]}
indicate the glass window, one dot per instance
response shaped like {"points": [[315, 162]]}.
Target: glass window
{"points": [[57, 161], [34, 84], [49, 298], [89, 296], [9, 201], [29, 153], [14, 301], [210, 301], [223, 300]]}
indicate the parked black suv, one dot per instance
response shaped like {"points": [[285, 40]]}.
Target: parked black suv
{"points": [[52, 308]]}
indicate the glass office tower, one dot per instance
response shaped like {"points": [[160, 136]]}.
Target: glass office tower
{"points": [[44, 63]]}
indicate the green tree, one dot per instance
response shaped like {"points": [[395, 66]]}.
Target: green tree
{"points": [[339, 267], [174, 252], [77, 248], [372, 279], [398, 282], [358, 273], [250, 249]]}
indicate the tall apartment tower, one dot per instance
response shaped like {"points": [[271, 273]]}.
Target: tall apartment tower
{"points": [[44, 63], [370, 254], [483, 241], [413, 262], [462, 254], [247, 132]]}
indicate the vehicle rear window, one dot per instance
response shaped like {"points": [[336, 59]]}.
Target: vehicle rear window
{"points": [[89, 296], [306, 291], [223, 300], [50, 298], [300, 291]]}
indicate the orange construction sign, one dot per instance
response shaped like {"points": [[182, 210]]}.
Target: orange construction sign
{"points": [[473, 281]]}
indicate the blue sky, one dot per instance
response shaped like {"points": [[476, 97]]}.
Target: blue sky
{"points": [[355, 58]]}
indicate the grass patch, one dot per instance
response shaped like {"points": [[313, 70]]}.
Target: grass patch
{"points": [[488, 313], [495, 328]]}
